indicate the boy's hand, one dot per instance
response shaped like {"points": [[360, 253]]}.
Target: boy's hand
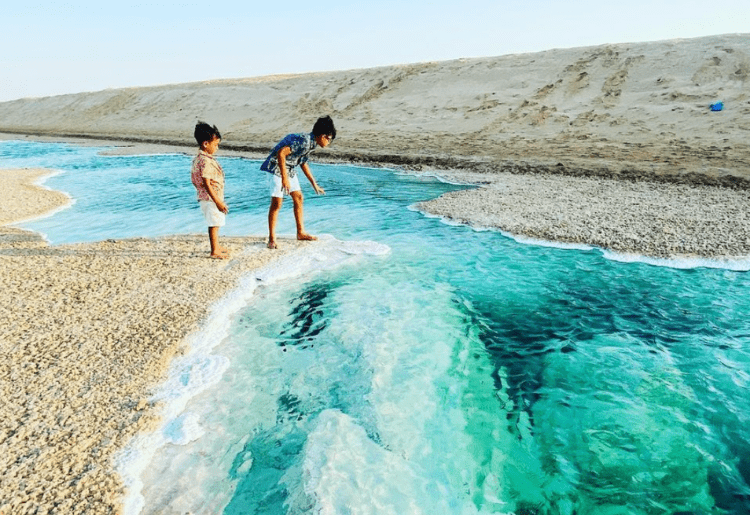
{"points": [[319, 190], [223, 207], [285, 185]]}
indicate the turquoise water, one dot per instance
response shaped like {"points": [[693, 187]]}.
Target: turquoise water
{"points": [[460, 372]]}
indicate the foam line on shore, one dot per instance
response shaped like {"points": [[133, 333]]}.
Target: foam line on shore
{"points": [[199, 369], [678, 262], [438, 176], [526, 240], [682, 263]]}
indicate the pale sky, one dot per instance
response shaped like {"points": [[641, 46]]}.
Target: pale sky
{"points": [[52, 48]]}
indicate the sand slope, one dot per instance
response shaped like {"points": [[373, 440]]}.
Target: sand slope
{"points": [[642, 107]]}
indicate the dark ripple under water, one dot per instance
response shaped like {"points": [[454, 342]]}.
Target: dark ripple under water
{"points": [[489, 376]]}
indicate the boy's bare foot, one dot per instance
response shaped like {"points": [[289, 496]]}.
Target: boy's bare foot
{"points": [[306, 237], [220, 253], [272, 244]]}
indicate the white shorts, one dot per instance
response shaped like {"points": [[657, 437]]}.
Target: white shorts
{"points": [[214, 217], [274, 183]]}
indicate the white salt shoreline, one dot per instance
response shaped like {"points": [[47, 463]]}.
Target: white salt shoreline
{"points": [[183, 383], [89, 332], [79, 321]]}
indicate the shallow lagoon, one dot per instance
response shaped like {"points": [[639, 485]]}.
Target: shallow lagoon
{"points": [[459, 372]]}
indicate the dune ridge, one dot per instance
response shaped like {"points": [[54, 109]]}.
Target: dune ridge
{"points": [[639, 110]]}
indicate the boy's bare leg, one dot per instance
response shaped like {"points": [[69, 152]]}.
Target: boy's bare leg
{"points": [[299, 216], [273, 214], [217, 251]]}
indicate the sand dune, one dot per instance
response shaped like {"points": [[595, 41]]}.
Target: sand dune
{"points": [[641, 107]]}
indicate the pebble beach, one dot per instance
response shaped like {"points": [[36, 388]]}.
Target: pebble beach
{"points": [[660, 220]]}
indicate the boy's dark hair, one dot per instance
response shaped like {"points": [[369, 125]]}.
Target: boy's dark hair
{"points": [[205, 132], [324, 125]]}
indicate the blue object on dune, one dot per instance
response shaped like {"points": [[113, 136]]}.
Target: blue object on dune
{"points": [[718, 106]]}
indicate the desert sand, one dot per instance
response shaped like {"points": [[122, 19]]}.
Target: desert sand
{"points": [[612, 145], [88, 332]]}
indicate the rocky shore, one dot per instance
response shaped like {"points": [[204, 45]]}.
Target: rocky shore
{"points": [[655, 219]]}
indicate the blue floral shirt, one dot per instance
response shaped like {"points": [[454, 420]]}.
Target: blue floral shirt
{"points": [[301, 146]]}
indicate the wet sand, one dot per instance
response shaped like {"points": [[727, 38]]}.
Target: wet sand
{"points": [[88, 332]]}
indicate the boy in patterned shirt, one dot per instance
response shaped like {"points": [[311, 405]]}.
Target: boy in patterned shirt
{"points": [[290, 152], [208, 179]]}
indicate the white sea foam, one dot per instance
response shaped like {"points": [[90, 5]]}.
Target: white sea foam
{"points": [[683, 263], [344, 471], [198, 370], [738, 265], [526, 240], [438, 177]]}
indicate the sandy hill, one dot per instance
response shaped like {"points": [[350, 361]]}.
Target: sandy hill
{"points": [[640, 108]]}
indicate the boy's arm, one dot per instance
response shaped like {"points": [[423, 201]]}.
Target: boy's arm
{"points": [[211, 193], [309, 175], [281, 161]]}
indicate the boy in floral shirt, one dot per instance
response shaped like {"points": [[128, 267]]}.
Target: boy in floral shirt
{"points": [[290, 152], [208, 179]]}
